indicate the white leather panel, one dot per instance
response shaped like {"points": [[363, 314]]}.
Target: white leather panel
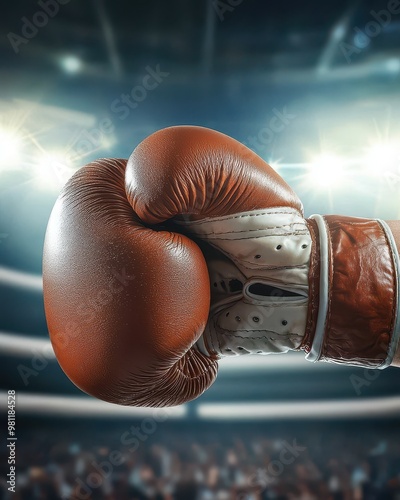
{"points": [[260, 293]]}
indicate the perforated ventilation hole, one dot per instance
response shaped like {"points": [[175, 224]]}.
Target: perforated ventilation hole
{"points": [[279, 247], [259, 352], [241, 348], [284, 322], [215, 284], [304, 245], [256, 319], [258, 256], [227, 314], [238, 318], [235, 286], [270, 291], [228, 350]]}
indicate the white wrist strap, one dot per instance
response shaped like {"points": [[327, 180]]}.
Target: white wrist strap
{"points": [[316, 348]]}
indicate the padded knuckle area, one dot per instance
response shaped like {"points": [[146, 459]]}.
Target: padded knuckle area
{"points": [[125, 302]]}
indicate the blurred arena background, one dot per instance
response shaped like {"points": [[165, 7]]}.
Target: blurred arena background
{"points": [[314, 89]]}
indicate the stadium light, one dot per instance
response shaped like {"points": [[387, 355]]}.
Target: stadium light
{"points": [[107, 142], [326, 170], [71, 64], [52, 170], [339, 32], [393, 65], [382, 157], [10, 147]]}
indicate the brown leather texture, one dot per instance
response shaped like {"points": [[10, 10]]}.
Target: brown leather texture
{"points": [[362, 292], [126, 298], [124, 302], [200, 173]]}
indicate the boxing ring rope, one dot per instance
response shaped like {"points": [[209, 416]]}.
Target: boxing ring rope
{"points": [[20, 279], [26, 346], [63, 406], [12, 344], [337, 409], [66, 406]]}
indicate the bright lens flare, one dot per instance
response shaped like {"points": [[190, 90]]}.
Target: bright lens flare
{"points": [[274, 164], [52, 170], [71, 64], [326, 171], [10, 147], [384, 157]]}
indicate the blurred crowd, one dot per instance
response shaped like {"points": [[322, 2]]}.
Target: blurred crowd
{"points": [[196, 464]]}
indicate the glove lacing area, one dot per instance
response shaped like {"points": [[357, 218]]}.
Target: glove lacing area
{"points": [[259, 281]]}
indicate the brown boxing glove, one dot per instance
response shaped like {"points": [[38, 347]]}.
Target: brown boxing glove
{"points": [[125, 299], [139, 315], [328, 285]]}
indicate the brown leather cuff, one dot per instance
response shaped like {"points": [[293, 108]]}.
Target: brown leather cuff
{"points": [[353, 308]]}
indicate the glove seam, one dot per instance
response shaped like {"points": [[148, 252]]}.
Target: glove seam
{"points": [[280, 335], [293, 233], [239, 263], [232, 217], [264, 228]]}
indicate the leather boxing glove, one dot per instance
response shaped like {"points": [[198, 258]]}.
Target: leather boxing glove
{"points": [[124, 302], [328, 285], [127, 299]]}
